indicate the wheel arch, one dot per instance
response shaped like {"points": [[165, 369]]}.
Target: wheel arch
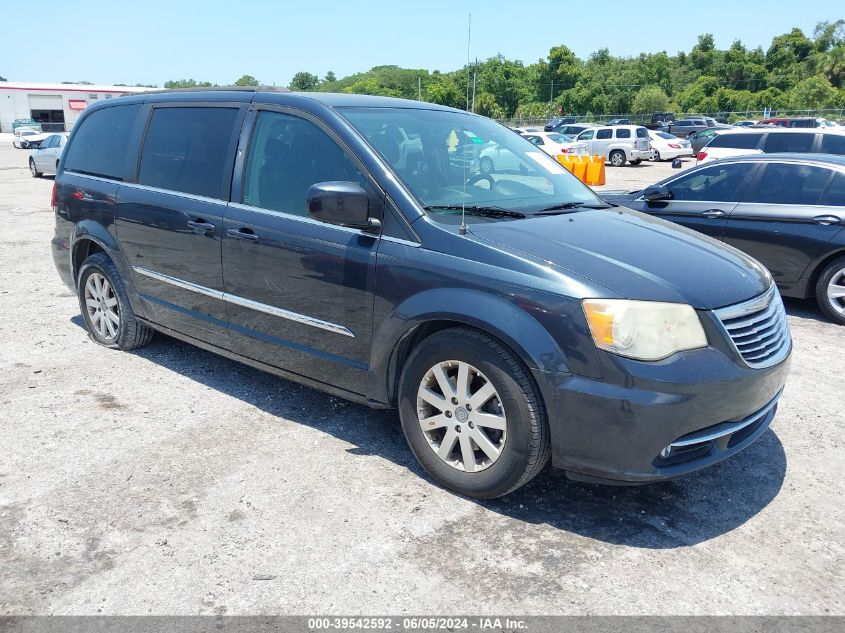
{"points": [[434, 310], [817, 267]]}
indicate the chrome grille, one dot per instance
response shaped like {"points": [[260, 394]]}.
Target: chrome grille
{"points": [[758, 329]]}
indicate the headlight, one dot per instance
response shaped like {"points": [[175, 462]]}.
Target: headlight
{"points": [[645, 330]]}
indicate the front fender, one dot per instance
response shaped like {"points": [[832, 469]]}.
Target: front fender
{"points": [[504, 320]]}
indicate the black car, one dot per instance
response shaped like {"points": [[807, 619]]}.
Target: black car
{"points": [[785, 210], [352, 243], [554, 124]]}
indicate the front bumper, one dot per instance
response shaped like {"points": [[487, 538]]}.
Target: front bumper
{"points": [[706, 402]]}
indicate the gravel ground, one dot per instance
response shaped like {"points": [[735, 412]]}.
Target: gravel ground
{"points": [[172, 481]]}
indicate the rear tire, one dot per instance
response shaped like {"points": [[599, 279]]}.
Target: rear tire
{"points": [[34, 170], [637, 161], [105, 306], [657, 158], [830, 290], [617, 158], [485, 429]]}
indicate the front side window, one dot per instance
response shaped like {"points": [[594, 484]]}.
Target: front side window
{"points": [[99, 145], [783, 183], [287, 155], [462, 159], [189, 150], [788, 142], [719, 183], [586, 135]]}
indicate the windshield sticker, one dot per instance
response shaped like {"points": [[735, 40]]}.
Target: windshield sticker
{"points": [[546, 162]]}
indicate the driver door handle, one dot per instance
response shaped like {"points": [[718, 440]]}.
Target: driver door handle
{"points": [[243, 233], [200, 226], [714, 214], [826, 220]]}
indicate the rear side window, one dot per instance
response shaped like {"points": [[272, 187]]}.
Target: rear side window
{"points": [[604, 134], [100, 143], [642, 132], [835, 195], [833, 144], [719, 183], [785, 142], [623, 133], [189, 150], [790, 184], [736, 141]]}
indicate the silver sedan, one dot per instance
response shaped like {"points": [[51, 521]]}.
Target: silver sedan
{"points": [[45, 160]]}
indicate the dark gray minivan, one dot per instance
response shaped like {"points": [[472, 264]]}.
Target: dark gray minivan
{"points": [[353, 244]]}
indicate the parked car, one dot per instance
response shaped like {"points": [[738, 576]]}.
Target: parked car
{"points": [[554, 124], [662, 119], [700, 139], [529, 129], [685, 127], [790, 122], [45, 159], [667, 146], [508, 318], [619, 144], [773, 140], [785, 210], [498, 158], [746, 123], [554, 144], [619, 122], [26, 138], [573, 130]]}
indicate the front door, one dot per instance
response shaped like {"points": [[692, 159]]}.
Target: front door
{"points": [[170, 223], [703, 199], [300, 292], [788, 217]]}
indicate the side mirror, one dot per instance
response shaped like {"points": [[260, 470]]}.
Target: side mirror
{"points": [[656, 193], [341, 203]]}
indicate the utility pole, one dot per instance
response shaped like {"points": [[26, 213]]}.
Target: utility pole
{"points": [[419, 88], [474, 83], [551, 97]]}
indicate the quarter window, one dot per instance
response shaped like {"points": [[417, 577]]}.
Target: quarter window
{"points": [[99, 145], [835, 195], [287, 155], [190, 150], [586, 135], [719, 183], [783, 183], [788, 142]]}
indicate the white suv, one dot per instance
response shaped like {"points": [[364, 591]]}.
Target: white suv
{"points": [[618, 144]]}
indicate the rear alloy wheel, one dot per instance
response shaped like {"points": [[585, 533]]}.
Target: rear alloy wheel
{"points": [[472, 415], [617, 158], [33, 169], [830, 290], [657, 158]]}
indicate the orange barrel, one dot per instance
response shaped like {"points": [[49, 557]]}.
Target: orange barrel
{"points": [[579, 168]]}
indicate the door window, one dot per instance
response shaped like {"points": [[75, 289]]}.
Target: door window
{"points": [[736, 141], [719, 183], [190, 150], [835, 195], [833, 144], [623, 133], [790, 184], [287, 155], [586, 135], [603, 134], [788, 142], [535, 139]]}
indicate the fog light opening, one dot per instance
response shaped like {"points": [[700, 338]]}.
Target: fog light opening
{"points": [[666, 452]]}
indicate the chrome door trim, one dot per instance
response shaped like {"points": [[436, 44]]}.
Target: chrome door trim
{"points": [[300, 218], [247, 303]]}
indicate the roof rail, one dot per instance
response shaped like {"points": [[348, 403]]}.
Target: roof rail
{"points": [[214, 89]]}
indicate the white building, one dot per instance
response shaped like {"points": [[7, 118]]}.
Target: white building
{"points": [[55, 106]]}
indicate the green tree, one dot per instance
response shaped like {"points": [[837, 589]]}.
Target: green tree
{"points": [[650, 99], [485, 105], [247, 80], [813, 93], [304, 81], [329, 78], [187, 83]]}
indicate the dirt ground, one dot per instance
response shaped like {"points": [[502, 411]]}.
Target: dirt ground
{"points": [[172, 481]]}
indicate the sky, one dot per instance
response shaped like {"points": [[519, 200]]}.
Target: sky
{"points": [[153, 41]]}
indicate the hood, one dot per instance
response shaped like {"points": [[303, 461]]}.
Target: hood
{"points": [[634, 255]]}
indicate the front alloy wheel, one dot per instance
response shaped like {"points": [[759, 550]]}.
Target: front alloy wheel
{"points": [[461, 416], [102, 306]]}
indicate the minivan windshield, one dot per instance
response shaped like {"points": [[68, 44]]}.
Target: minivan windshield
{"points": [[449, 160]]}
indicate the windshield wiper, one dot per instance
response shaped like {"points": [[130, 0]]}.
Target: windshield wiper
{"points": [[571, 206], [491, 212]]}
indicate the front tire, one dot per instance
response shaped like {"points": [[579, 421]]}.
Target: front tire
{"points": [[472, 414], [33, 169], [617, 158], [108, 316], [830, 290]]}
